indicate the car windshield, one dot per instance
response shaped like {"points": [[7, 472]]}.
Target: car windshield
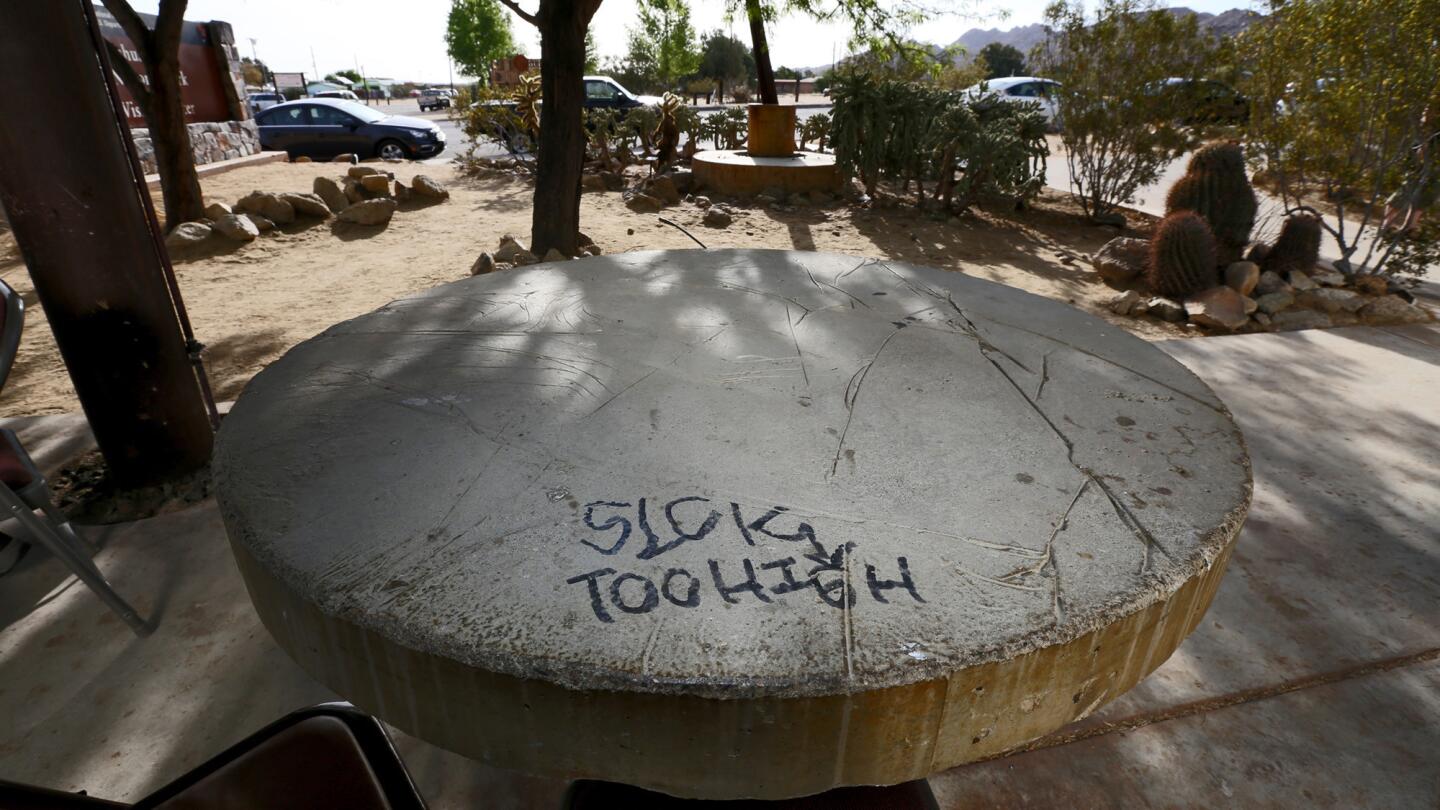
{"points": [[360, 111]]}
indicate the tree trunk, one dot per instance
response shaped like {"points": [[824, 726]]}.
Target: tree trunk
{"points": [[763, 70], [174, 157], [556, 218]]}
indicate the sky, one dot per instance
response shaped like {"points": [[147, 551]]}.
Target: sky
{"points": [[406, 40]]}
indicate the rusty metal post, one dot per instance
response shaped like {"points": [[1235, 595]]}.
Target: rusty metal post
{"points": [[73, 191]]}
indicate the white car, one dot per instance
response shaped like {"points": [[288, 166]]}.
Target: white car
{"points": [[1021, 88], [263, 101]]}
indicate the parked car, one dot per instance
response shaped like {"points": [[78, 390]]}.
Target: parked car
{"points": [[1020, 89], [1206, 100], [347, 95], [605, 92], [324, 127], [433, 99], [263, 101]]}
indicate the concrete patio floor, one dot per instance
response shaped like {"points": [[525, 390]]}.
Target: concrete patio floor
{"points": [[1313, 681]]}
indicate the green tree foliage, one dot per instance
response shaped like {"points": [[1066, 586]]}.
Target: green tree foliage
{"points": [[663, 45], [592, 53], [254, 72], [350, 75], [1002, 60], [1346, 106], [476, 34], [726, 61], [1118, 131], [783, 72]]}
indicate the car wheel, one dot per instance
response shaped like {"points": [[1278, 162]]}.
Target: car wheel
{"points": [[391, 150]]}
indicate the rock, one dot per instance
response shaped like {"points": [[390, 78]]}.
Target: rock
{"points": [[1328, 278], [1114, 219], [683, 179], [237, 227], [424, 186], [1262, 320], [330, 191], [613, 181], [1302, 282], [1270, 282], [766, 199], [643, 203], [821, 198], [592, 182], [402, 192], [1392, 309], [353, 192], [345, 158], [525, 257], [591, 250], [268, 205], [662, 188], [702, 202], [188, 235], [1343, 318], [369, 212], [1367, 284], [310, 205], [485, 263], [508, 249], [1123, 303], [798, 201], [1249, 304], [773, 192], [1242, 277], [360, 172], [302, 159], [1217, 308], [1331, 300], [553, 255], [1293, 319], [717, 217], [1274, 302], [216, 210], [261, 222], [1121, 259], [1166, 309], [583, 240], [1256, 252], [376, 184]]}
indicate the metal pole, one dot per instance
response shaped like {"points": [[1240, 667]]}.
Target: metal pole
{"points": [[92, 246]]}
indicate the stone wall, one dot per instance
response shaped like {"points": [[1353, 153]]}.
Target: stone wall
{"points": [[211, 141]]}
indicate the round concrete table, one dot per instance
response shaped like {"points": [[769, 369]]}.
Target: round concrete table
{"points": [[730, 523]]}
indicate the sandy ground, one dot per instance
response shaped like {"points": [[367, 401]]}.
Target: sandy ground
{"points": [[252, 303]]}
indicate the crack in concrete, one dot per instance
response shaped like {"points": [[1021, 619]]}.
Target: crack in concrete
{"points": [[852, 394]]}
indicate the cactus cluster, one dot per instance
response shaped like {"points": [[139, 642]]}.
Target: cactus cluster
{"points": [[1182, 256], [1215, 187], [1297, 247]]}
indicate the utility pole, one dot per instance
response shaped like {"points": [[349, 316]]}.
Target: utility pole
{"points": [[90, 239]]}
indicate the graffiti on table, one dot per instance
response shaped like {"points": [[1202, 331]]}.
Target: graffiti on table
{"points": [[651, 530]]}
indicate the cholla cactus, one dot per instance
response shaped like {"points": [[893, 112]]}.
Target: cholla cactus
{"points": [[527, 103], [815, 128], [667, 132]]}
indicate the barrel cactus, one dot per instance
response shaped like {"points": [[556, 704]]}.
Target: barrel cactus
{"points": [[1216, 188], [1297, 247], [1182, 256]]}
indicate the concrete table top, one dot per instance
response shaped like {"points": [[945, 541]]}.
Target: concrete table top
{"points": [[730, 523]]}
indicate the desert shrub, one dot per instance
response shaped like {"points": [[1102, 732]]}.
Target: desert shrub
{"points": [[728, 128], [916, 132], [1346, 106], [489, 115], [740, 94], [1117, 129]]}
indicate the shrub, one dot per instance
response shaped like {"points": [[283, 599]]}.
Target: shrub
{"points": [[1182, 256], [815, 128], [916, 132], [1118, 131], [1346, 104]]}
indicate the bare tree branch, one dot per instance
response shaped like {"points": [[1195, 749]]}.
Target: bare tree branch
{"points": [[519, 12], [128, 76], [134, 27]]}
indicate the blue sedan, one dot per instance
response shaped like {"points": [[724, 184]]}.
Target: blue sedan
{"points": [[324, 127]]}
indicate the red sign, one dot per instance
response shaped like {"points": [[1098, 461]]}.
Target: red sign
{"points": [[520, 63], [200, 75]]}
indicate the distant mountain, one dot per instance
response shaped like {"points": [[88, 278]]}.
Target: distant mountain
{"points": [[1025, 37]]}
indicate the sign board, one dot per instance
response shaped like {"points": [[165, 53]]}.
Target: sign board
{"points": [[200, 75], [520, 63], [286, 81]]}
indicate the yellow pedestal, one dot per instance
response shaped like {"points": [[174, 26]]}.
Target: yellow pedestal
{"points": [[772, 131]]}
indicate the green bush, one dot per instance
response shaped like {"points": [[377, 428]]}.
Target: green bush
{"points": [[916, 132]]}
